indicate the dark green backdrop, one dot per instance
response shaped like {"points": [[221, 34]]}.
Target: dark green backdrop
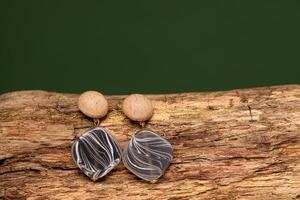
{"points": [[148, 46]]}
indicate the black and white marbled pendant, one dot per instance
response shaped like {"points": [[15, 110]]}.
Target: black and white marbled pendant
{"points": [[148, 155], [96, 152]]}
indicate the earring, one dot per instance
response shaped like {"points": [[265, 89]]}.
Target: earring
{"points": [[147, 155], [95, 152]]}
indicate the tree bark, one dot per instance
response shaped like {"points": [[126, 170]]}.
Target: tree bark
{"points": [[239, 144]]}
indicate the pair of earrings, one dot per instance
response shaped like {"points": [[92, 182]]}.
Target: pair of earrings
{"points": [[96, 152]]}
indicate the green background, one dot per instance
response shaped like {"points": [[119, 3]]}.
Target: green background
{"points": [[120, 47]]}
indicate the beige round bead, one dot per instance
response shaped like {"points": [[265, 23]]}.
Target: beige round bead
{"points": [[93, 104], [137, 107]]}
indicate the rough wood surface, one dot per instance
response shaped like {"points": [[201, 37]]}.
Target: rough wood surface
{"points": [[240, 144]]}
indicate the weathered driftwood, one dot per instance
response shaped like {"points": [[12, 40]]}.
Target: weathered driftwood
{"points": [[240, 144]]}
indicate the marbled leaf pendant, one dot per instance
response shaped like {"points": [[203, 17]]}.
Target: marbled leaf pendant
{"points": [[96, 152], [148, 155]]}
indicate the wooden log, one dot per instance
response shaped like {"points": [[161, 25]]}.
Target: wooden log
{"points": [[239, 144]]}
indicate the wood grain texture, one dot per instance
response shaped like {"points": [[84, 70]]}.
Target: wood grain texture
{"points": [[240, 144]]}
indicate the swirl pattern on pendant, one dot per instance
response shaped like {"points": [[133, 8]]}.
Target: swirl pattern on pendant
{"points": [[96, 152], [148, 155]]}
